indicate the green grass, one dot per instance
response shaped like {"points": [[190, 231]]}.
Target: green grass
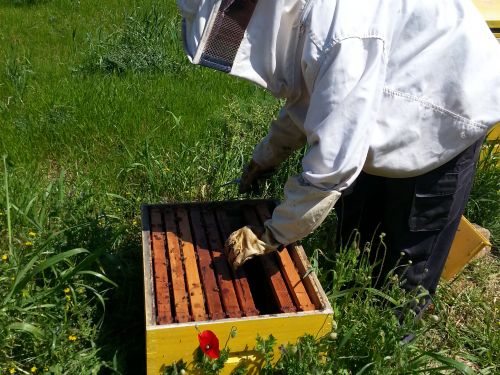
{"points": [[100, 112], [484, 203]]}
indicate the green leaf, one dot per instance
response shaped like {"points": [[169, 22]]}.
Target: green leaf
{"points": [[347, 336], [99, 276], [365, 367], [57, 258], [462, 367], [383, 295], [117, 196], [21, 276], [61, 188], [28, 328], [25, 275]]}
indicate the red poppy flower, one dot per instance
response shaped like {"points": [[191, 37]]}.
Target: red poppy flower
{"points": [[209, 344]]}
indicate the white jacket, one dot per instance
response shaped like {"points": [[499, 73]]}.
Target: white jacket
{"points": [[395, 88]]}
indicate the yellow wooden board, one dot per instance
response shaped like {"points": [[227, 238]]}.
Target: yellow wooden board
{"points": [[491, 149], [494, 134], [170, 343], [467, 243], [490, 9]]}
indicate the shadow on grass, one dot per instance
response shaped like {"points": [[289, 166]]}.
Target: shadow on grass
{"points": [[122, 337], [21, 3]]}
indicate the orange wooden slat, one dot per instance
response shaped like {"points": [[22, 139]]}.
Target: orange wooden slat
{"points": [[191, 267], [241, 284], [213, 298], [304, 269], [164, 314], [176, 269], [221, 266], [299, 293], [272, 271]]}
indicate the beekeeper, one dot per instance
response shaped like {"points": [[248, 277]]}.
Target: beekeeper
{"points": [[392, 98]]}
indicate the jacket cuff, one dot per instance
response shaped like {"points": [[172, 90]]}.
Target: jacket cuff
{"points": [[304, 209]]}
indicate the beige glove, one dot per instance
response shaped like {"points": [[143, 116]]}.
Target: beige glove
{"points": [[248, 242]]}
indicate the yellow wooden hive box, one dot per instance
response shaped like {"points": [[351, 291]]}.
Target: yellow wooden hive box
{"points": [[190, 288], [490, 9], [467, 244]]}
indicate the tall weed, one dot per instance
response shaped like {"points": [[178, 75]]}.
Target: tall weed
{"points": [[16, 75], [144, 43], [50, 293]]}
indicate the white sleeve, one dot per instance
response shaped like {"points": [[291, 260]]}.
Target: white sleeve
{"points": [[283, 138], [342, 112]]}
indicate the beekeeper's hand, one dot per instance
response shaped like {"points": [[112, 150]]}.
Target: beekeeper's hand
{"points": [[251, 173], [248, 242]]}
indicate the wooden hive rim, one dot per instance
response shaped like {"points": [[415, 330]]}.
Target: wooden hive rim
{"points": [[148, 268], [327, 312]]}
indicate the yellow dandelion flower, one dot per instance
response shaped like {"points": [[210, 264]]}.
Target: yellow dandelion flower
{"points": [[134, 222], [5, 257], [12, 370], [34, 369], [32, 234], [72, 338], [67, 290], [28, 243]]}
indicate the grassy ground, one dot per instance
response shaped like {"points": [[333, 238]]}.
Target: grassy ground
{"points": [[100, 112]]}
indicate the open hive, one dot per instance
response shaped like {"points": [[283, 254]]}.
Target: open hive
{"points": [[190, 286]]}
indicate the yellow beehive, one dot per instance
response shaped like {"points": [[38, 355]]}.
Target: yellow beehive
{"points": [[189, 287], [494, 134], [492, 147], [490, 9], [467, 244]]}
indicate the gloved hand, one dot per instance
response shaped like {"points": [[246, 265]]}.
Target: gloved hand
{"points": [[251, 174], [248, 242]]}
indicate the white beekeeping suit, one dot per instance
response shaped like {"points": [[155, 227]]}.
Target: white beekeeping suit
{"points": [[394, 88]]}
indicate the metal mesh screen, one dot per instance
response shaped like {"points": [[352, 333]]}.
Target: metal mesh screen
{"points": [[227, 34]]}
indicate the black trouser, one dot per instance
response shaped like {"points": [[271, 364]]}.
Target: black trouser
{"points": [[419, 216]]}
